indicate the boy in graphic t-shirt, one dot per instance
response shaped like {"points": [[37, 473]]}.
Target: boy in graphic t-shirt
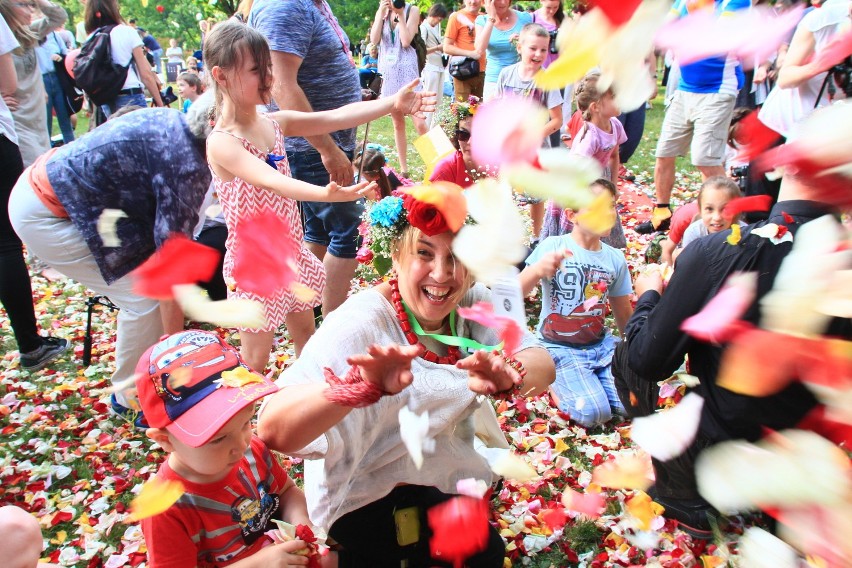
{"points": [[579, 276]]}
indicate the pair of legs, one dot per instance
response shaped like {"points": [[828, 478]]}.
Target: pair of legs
{"points": [[58, 243], [255, 346], [56, 102], [369, 538], [433, 82], [698, 122], [584, 387], [462, 90], [401, 139], [331, 229]]}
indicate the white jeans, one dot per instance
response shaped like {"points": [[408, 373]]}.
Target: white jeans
{"points": [[58, 243], [433, 81]]}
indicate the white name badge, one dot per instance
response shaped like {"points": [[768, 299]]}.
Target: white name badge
{"points": [[507, 298], [391, 57]]}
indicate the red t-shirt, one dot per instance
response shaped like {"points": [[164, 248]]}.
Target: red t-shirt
{"points": [[575, 123], [452, 169], [217, 524], [681, 219]]}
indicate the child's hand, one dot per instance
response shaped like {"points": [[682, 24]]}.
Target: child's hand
{"points": [[281, 555], [416, 104], [550, 263], [650, 279], [387, 367], [336, 193]]}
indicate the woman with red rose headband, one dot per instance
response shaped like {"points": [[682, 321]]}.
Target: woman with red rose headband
{"points": [[400, 345]]}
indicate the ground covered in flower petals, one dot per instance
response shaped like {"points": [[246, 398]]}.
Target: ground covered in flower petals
{"points": [[75, 467]]}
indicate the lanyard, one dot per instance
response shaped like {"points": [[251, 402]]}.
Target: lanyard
{"points": [[326, 13], [452, 340]]}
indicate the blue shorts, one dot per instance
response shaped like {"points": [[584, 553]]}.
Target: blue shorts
{"points": [[333, 225]]}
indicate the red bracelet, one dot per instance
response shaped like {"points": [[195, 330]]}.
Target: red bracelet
{"points": [[352, 390]]}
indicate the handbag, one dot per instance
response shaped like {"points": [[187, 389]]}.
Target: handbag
{"points": [[73, 98], [464, 68]]}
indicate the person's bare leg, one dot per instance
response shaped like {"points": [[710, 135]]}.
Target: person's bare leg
{"points": [[301, 327], [710, 171], [255, 349], [339, 273], [22, 542], [537, 216], [664, 176], [401, 142], [316, 249], [420, 125]]}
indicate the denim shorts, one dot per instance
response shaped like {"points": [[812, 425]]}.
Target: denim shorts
{"points": [[123, 101], [334, 225]]}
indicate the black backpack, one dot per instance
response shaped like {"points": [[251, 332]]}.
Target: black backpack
{"points": [[94, 71], [418, 43]]}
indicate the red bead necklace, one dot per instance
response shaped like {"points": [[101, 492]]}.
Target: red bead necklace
{"points": [[453, 353]]}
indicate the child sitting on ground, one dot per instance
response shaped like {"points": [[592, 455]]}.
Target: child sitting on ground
{"points": [[233, 485], [714, 194], [579, 275], [518, 80], [373, 166]]}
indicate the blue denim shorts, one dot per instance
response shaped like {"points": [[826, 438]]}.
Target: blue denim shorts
{"points": [[334, 225]]}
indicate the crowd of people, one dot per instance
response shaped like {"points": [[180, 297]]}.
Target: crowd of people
{"points": [[266, 130]]}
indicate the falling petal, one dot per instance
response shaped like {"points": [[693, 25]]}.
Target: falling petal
{"points": [[599, 217], [626, 471], [414, 431], [483, 314], [838, 49], [432, 147], [303, 294], [792, 468], [447, 198], [506, 131], [667, 434], [238, 378], [459, 529], [198, 306], [514, 468], [820, 531], [618, 12], [757, 135], [470, 487], [156, 497], [589, 504], [579, 50], [108, 227], [747, 205], [836, 298], [178, 261], [643, 509], [266, 253], [760, 549], [493, 246], [717, 321], [563, 177], [736, 235]]}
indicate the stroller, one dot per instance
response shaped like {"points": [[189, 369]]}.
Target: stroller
{"points": [[371, 84]]}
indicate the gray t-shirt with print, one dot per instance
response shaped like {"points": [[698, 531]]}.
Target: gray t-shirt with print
{"points": [[309, 30]]}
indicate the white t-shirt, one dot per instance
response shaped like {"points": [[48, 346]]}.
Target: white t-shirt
{"points": [[784, 109], [7, 44], [432, 36], [362, 458], [123, 40]]}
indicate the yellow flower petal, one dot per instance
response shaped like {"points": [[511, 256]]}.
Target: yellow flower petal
{"points": [[156, 497], [238, 377], [735, 236], [599, 217]]}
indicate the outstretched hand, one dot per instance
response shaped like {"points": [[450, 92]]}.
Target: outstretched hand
{"points": [[350, 192], [414, 103], [488, 372], [387, 366], [550, 263]]}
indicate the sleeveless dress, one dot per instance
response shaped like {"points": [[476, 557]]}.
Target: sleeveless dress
{"points": [[397, 64], [241, 200]]}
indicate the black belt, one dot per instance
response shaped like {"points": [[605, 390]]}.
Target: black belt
{"points": [[134, 91]]}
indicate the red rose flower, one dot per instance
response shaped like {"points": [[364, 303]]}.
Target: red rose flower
{"points": [[364, 256], [424, 216]]}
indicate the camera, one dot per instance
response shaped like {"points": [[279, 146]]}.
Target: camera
{"points": [[553, 47], [399, 4], [740, 173], [168, 96]]}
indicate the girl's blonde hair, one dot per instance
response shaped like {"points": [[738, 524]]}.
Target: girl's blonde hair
{"points": [[228, 45], [23, 33], [587, 93]]}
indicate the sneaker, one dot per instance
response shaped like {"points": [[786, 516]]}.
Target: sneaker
{"points": [[135, 417], [695, 517], [51, 348], [626, 174]]}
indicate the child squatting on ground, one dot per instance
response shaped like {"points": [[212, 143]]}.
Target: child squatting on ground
{"points": [[517, 80], [579, 274], [233, 484], [715, 193], [241, 149]]}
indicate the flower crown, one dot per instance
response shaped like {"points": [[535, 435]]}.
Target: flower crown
{"points": [[456, 112], [434, 209]]}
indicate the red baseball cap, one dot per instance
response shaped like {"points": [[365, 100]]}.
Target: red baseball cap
{"points": [[181, 388]]}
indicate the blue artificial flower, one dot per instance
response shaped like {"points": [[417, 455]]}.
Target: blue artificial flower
{"points": [[386, 212]]}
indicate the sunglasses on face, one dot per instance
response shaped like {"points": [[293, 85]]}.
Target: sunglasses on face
{"points": [[30, 5], [462, 135]]}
